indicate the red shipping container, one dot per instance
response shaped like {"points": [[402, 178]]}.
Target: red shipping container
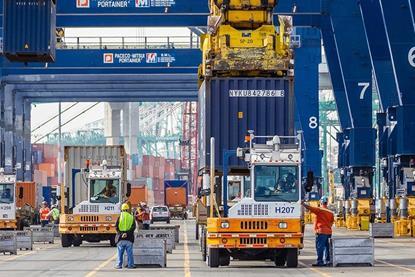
{"points": [[138, 171], [148, 160], [147, 171], [40, 177], [49, 169], [158, 184], [50, 151]]}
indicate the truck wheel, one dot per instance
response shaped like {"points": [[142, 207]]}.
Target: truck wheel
{"points": [[280, 258], [292, 257], [77, 241], [168, 221], [112, 241], [66, 240], [224, 258], [213, 257]]}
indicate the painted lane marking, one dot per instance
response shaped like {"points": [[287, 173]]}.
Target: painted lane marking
{"points": [[101, 266], [186, 264], [315, 270], [397, 266]]}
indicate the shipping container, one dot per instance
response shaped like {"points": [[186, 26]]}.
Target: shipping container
{"points": [[47, 194], [175, 193], [29, 30], [28, 196], [75, 157], [48, 168], [229, 107], [138, 195]]}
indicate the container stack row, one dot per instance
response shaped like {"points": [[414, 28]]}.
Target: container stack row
{"points": [[150, 173]]}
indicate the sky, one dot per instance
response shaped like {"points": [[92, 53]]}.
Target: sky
{"points": [[43, 112]]}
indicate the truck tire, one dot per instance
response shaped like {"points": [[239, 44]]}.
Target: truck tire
{"points": [[168, 221], [77, 241], [112, 241], [292, 257], [66, 240], [280, 258], [203, 244], [224, 258], [213, 257]]}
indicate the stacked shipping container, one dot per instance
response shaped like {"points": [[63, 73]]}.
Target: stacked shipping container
{"points": [[150, 175], [147, 178]]}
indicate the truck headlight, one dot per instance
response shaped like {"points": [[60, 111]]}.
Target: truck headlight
{"points": [[283, 225], [224, 225], [108, 218], [70, 218]]}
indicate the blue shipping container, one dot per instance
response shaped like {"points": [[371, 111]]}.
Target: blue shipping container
{"points": [[47, 194], [29, 30], [229, 107]]}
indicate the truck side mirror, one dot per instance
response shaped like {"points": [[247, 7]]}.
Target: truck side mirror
{"points": [[128, 194], [309, 181], [21, 192]]}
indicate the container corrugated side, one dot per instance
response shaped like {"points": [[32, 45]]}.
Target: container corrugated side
{"points": [[229, 107], [29, 33], [75, 158]]}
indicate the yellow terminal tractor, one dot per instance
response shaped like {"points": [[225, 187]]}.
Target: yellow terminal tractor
{"points": [[266, 222], [8, 219], [92, 195]]}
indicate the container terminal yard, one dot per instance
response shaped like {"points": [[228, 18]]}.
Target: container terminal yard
{"points": [[207, 138]]}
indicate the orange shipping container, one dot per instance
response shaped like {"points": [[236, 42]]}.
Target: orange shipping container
{"points": [[138, 194], [175, 196], [29, 194], [48, 168]]}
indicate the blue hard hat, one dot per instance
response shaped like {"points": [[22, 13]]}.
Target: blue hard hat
{"points": [[324, 199]]}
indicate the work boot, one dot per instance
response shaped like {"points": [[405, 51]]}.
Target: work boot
{"points": [[318, 265]]}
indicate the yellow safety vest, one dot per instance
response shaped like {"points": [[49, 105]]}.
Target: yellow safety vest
{"points": [[126, 221], [55, 214]]}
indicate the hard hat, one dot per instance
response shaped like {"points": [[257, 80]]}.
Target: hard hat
{"points": [[44, 203], [324, 199], [125, 207]]}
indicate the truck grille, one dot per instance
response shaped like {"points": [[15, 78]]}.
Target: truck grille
{"points": [[254, 225], [89, 218], [88, 229], [254, 209], [89, 209], [253, 241]]}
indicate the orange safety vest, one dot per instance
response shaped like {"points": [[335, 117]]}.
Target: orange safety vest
{"points": [[44, 213]]}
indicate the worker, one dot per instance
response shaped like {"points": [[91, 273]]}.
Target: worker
{"points": [[54, 214], [44, 214], [323, 229], [109, 191], [139, 216], [125, 227], [145, 216]]}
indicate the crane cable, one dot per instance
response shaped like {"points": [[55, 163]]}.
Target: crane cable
{"points": [[67, 122]]}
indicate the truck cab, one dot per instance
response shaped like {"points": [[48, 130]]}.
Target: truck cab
{"points": [[266, 223], [94, 219], [7, 201]]}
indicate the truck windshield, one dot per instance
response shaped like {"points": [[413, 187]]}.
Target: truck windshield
{"points": [[276, 183], [104, 191], [6, 193]]}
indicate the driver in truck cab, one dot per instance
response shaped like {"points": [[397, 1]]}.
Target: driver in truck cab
{"points": [[109, 191]]}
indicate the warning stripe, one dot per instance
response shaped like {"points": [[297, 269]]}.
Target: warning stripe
{"points": [[261, 235]]}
